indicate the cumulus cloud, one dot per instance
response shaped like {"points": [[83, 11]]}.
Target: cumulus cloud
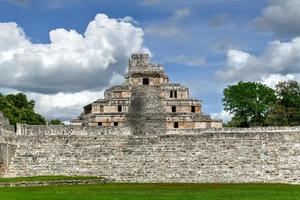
{"points": [[64, 106], [278, 58], [272, 79], [73, 69], [281, 17], [71, 62], [223, 115], [67, 106]]}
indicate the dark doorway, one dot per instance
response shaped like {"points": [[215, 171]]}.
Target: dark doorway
{"points": [[119, 108], [173, 108], [176, 125], [116, 123], [193, 109], [145, 81], [99, 123], [175, 94]]}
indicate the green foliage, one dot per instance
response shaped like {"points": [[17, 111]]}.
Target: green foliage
{"points": [[18, 109], [249, 102], [286, 111], [155, 192], [254, 104], [55, 122]]}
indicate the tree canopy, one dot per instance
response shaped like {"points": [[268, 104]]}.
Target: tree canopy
{"points": [[254, 104], [55, 122], [18, 109], [286, 111], [249, 102]]}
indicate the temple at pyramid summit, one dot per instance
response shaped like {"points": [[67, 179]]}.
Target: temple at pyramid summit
{"points": [[146, 100]]}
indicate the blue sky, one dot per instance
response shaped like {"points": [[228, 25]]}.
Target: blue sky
{"points": [[204, 44]]}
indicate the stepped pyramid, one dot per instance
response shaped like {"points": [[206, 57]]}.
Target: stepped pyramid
{"points": [[146, 102]]}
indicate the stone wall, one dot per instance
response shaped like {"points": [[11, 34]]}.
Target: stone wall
{"points": [[227, 155], [40, 130], [6, 154]]}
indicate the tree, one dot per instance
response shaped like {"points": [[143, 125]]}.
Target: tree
{"points": [[55, 122], [286, 111], [18, 109], [249, 102]]}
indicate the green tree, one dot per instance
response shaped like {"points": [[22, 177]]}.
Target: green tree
{"points": [[286, 111], [55, 122], [18, 109], [249, 102]]}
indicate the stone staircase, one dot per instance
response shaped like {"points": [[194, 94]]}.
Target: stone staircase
{"points": [[146, 114], [31, 159]]}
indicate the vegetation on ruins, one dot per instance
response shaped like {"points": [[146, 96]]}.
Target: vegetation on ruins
{"points": [[18, 109], [55, 122], [175, 191], [254, 104]]}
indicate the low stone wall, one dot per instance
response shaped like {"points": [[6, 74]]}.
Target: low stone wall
{"points": [[264, 155], [54, 183], [40, 130], [236, 130]]}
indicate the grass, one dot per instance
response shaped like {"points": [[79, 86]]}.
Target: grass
{"points": [[46, 178], [156, 192]]}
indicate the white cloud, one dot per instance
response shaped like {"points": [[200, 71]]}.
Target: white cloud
{"points": [[72, 62], [170, 27], [64, 106], [224, 115], [281, 16], [272, 79], [73, 69], [278, 58]]}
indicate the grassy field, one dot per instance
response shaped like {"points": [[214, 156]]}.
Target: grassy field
{"points": [[156, 192]]}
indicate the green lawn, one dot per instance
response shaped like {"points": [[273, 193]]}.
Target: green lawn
{"points": [[156, 192]]}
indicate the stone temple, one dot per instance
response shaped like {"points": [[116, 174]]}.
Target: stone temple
{"points": [[149, 131], [146, 100]]}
